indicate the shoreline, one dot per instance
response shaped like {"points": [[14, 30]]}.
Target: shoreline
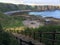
{"points": [[55, 14]]}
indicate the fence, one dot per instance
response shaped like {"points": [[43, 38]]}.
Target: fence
{"points": [[53, 39]]}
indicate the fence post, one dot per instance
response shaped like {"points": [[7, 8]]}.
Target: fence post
{"points": [[53, 37], [34, 35], [40, 32], [30, 33], [20, 42], [30, 43]]}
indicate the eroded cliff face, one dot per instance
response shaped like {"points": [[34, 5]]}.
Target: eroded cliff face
{"points": [[39, 8], [49, 7]]}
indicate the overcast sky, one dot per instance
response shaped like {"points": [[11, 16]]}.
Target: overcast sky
{"points": [[37, 2]]}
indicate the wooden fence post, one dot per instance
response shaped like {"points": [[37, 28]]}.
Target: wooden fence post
{"points": [[30, 43], [20, 42], [40, 32], [30, 33], [34, 35], [53, 37]]}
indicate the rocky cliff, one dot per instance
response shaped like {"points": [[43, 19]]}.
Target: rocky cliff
{"points": [[47, 7], [40, 8]]}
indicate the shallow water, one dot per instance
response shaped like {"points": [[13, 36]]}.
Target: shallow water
{"points": [[55, 14]]}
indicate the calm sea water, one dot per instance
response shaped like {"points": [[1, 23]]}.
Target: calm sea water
{"points": [[55, 14]]}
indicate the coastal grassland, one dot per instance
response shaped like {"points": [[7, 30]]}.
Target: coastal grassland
{"points": [[10, 21], [7, 38], [37, 31]]}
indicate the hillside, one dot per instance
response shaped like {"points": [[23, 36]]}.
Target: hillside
{"points": [[7, 7], [4, 7], [10, 21]]}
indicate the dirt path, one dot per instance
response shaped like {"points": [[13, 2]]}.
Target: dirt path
{"points": [[26, 38]]}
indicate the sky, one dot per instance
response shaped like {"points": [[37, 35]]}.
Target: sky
{"points": [[33, 2]]}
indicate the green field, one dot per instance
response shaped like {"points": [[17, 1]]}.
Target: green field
{"points": [[10, 21]]}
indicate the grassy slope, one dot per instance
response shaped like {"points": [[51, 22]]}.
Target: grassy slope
{"points": [[8, 7], [10, 21], [7, 38]]}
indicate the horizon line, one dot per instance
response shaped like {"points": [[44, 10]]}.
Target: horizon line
{"points": [[33, 4]]}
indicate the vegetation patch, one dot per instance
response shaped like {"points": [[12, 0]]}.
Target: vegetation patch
{"points": [[7, 38], [10, 21]]}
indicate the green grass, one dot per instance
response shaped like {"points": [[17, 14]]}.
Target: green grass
{"points": [[7, 38], [10, 21]]}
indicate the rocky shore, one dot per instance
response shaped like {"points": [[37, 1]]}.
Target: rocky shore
{"points": [[33, 21]]}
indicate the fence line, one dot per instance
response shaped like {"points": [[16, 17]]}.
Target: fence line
{"points": [[53, 40]]}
